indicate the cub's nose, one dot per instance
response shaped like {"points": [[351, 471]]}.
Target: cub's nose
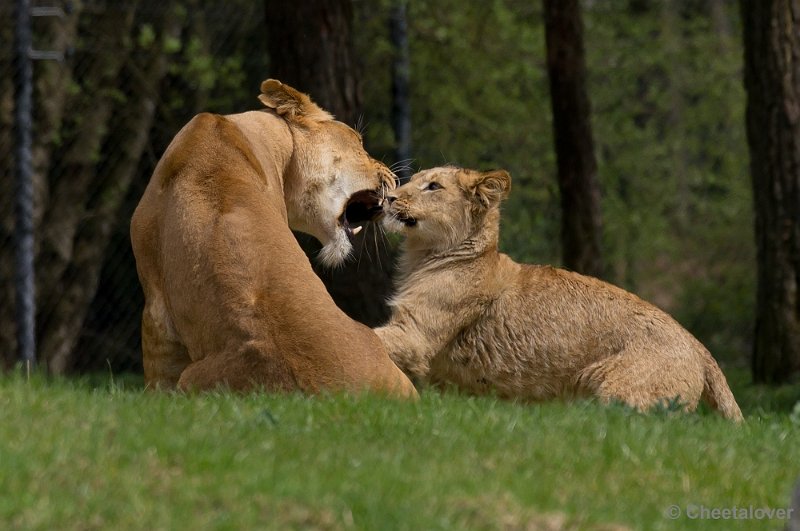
{"points": [[390, 198]]}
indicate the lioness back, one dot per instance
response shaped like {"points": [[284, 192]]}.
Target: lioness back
{"points": [[467, 315]]}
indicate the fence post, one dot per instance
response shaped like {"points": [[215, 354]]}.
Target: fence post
{"points": [[23, 188]]}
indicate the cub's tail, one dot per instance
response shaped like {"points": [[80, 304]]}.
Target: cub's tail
{"points": [[717, 393]]}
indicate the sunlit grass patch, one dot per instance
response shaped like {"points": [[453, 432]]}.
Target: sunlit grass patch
{"points": [[94, 453]]}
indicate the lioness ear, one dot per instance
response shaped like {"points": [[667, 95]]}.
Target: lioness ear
{"points": [[489, 187], [290, 103]]}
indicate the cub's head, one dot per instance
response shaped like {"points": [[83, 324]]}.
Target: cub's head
{"points": [[441, 207], [332, 187]]}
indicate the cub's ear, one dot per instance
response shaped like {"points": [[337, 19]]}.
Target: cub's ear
{"points": [[489, 187], [292, 104]]}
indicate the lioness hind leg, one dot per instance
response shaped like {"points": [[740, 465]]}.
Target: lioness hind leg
{"points": [[163, 356], [644, 379], [246, 370]]}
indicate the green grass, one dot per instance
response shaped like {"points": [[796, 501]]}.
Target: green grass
{"points": [[106, 455]]}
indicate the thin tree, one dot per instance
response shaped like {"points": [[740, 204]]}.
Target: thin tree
{"points": [[581, 224], [772, 82], [310, 47]]}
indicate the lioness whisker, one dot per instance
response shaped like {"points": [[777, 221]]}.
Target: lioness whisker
{"points": [[404, 164], [366, 237], [377, 249], [361, 125], [384, 239], [361, 246]]}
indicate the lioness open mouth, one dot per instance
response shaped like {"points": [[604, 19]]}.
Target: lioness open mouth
{"points": [[363, 206]]}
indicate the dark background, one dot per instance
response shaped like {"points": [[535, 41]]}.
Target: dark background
{"points": [[648, 183]]}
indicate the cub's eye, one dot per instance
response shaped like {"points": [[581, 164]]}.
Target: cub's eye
{"points": [[433, 185]]}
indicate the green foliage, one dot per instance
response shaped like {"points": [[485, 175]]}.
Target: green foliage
{"points": [[129, 459], [147, 35], [201, 67], [668, 119], [479, 99], [216, 64], [664, 80]]}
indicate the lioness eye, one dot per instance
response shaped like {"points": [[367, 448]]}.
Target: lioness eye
{"points": [[433, 186]]}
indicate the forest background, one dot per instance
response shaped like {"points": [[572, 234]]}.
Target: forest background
{"points": [[664, 78]]}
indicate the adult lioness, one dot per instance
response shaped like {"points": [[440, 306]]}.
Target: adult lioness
{"points": [[230, 299], [468, 315]]}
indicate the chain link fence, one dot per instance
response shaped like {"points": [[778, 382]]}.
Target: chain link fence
{"points": [[111, 84]]}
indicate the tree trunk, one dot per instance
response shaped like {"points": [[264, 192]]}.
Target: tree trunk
{"points": [[310, 48], [84, 132], [91, 109], [577, 169], [772, 81], [133, 117], [8, 339], [52, 82]]}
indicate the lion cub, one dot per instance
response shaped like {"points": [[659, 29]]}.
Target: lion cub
{"points": [[468, 315]]}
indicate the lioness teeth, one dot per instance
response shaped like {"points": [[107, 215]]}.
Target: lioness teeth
{"points": [[356, 230]]}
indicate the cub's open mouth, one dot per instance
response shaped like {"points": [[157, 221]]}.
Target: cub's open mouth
{"points": [[363, 206], [405, 219]]}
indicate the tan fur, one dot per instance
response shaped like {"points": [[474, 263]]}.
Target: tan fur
{"points": [[231, 300], [468, 315]]}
